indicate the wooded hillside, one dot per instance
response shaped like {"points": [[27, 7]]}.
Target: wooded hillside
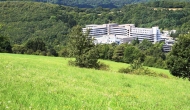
{"points": [[24, 20], [97, 3]]}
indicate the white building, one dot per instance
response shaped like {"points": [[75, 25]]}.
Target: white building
{"points": [[151, 34], [125, 30], [114, 33], [167, 47], [109, 39]]}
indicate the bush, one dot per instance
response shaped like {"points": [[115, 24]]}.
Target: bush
{"points": [[19, 49], [52, 52], [37, 52], [71, 63], [29, 51], [43, 53], [125, 70], [5, 45], [142, 71], [102, 66], [64, 53], [98, 66]]}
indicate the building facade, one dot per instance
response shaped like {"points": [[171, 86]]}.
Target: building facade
{"points": [[114, 33], [125, 30]]}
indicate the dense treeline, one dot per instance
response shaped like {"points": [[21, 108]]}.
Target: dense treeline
{"points": [[111, 3], [145, 52], [28, 23]]}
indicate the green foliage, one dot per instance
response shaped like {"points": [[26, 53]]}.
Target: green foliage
{"points": [[179, 58], [19, 49], [142, 71], [145, 45], [157, 62], [113, 3], [52, 52], [118, 53], [64, 52], [102, 66], [24, 20], [136, 64], [36, 44], [152, 56], [106, 51], [155, 57], [131, 53], [135, 42], [82, 48], [33, 82], [5, 45], [21, 21], [125, 70]]}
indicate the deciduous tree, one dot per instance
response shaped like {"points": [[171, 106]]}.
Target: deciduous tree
{"points": [[179, 58]]}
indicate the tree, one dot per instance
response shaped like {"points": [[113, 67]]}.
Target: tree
{"points": [[82, 48], [132, 53], [103, 51], [5, 45], [145, 44], [135, 42], [179, 58], [36, 44], [118, 53]]}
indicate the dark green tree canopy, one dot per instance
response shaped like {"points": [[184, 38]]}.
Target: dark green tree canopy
{"points": [[5, 45], [179, 58], [36, 44]]}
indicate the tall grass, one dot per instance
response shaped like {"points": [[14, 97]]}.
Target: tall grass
{"points": [[37, 82]]}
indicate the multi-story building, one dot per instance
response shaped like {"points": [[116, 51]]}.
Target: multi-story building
{"points": [[167, 47], [114, 33], [96, 30], [152, 34], [125, 30]]}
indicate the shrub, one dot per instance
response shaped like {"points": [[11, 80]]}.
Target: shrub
{"points": [[98, 66], [64, 52], [29, 51], [102, 66], [71, 63], [142, 71], [125, 70], [5, 45], [43, 53], [19, 49]]}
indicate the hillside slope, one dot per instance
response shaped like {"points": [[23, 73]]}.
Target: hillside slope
{"points": [[24, 20], [33, 82], [96, 3]]}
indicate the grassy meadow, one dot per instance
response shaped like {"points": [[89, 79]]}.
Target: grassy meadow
{"points": [[38, 82]]}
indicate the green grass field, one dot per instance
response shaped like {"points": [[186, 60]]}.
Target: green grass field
{"points": [[38, 82]]}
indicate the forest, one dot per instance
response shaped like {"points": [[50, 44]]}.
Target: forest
{"points": [[43, 28], [106, 3]]}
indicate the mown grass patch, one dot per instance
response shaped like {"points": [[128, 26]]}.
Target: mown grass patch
{"points": [[37, 82]]}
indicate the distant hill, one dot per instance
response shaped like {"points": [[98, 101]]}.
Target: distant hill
{"points": [[96, 3], [24, 20]]}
